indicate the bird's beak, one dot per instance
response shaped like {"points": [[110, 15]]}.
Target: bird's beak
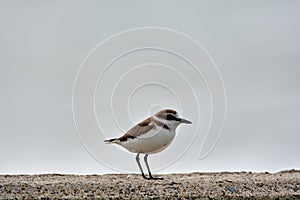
{"points": [[185, 121]]}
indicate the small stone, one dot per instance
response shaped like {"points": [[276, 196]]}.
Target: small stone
{"points": [[231, 189], [15, 188], [173, 183], [296, 188], [260, 184], [223, 192]]}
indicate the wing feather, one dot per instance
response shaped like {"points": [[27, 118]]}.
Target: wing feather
{"points": [[138, 130]]}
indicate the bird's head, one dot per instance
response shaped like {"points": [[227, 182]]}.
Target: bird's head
{"points": [[170, 118]]}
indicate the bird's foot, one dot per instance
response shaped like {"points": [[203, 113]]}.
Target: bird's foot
{"points": [[156, 178], [145, 177], [152, 178]]}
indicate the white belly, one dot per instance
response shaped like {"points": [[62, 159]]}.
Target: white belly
{"points": [[153, 142]]}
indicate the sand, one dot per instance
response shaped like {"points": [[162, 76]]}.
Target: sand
{"points": [[224, 185]]}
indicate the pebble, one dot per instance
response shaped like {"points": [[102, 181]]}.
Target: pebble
{"points": [[296, 188], [231, 189]]}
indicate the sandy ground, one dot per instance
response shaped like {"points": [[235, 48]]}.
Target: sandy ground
{"points": [[224, 185]]}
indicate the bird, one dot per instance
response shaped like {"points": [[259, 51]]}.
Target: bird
{"points": [[150, 136]]}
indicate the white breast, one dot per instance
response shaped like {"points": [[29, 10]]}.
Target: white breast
{"points": [[152, 142]]}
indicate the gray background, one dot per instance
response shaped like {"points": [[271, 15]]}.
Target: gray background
{"points": [[255, 45]]}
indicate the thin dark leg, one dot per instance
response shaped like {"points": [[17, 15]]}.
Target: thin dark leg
{"points": [[137, 158], [150, 175]]}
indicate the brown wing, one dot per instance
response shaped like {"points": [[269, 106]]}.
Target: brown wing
{"points": [[138, 129]]}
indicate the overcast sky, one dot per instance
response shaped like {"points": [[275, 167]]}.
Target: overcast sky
{"points": [[254, 44]]}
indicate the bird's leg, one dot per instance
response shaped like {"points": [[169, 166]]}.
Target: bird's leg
{"points": [[137, 158], [150, 175]]}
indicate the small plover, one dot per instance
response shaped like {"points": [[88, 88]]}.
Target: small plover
{"points": [[150, 136]]}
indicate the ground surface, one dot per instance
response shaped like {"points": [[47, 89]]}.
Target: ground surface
{"points": [[238, 185]]}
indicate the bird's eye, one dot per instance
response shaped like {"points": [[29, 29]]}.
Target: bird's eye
{"points": [[172, 117]]}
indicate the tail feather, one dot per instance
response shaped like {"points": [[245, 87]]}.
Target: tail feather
{"points": [[110, 140]]}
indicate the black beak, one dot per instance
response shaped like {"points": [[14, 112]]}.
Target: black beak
{"points": [[185, 121]]}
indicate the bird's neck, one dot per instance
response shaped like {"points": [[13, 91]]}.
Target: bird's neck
{"points": [[172, 125]]}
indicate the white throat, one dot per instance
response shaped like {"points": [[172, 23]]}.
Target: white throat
{"points": [[171, 124]]}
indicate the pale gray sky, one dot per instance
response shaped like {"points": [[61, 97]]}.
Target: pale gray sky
{"points": [[255, 45]]}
